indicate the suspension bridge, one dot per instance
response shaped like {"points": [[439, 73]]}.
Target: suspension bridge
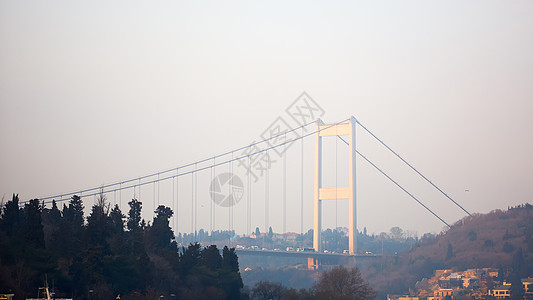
{"points": [[282, 173]]}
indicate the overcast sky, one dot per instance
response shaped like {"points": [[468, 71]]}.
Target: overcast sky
{"points": [[97, 92]]}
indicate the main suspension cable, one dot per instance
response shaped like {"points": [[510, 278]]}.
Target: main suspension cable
{"points": [[413, 168], [103, 187], [397, 184], [172, 169]]}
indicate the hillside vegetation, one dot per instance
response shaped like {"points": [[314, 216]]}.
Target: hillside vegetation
{"points": [[477, 241]]}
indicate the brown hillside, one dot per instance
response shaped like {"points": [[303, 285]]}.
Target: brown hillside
{"points": [[480, 240]]}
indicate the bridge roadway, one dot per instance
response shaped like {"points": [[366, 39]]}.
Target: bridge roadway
{"points": [[302, 254], [315, 260]]}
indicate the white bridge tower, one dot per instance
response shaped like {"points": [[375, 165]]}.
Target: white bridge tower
{"points": [[347, 128]]}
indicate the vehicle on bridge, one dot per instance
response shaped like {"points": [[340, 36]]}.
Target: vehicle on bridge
{"points": [[305, 250]]}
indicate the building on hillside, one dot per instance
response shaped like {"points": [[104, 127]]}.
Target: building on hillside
{"points": [[401, 297], [441, 294], [475, 283], [528, 287], [501, 292], [471, 273], [452, 281], [288, 236], [470, 282], [6, 296], [491, 272], [261, 235], [494, 273], [444, 282], [440, 273], [457, 277]]}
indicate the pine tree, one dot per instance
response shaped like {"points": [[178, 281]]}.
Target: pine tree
{"points": [[33, 229], [160, 234], [134, 215], [449, 252], [231, 279], [117, 220], [515, 278], [12, 220], [211, 258]]}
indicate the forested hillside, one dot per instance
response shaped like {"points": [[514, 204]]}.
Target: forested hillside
{"points": [[107, 254], [499, 239]]}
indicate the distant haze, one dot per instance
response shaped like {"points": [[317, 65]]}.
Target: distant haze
{"points": [[98, 92]]}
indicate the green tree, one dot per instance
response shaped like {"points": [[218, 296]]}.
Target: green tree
{"points": [[208, 271], [117, 220], [54, 213], [267, 290], [342, 283], [134, 215], [117, 237], [508, 247], [189, 257], [98, 256], [11, 245], [51, 219], [449, 252], [293, 294], [472, 236], [230, 259], [135, 225], [489, 243], [71, 227], [12, 221], [211, 258], [515, 278], [231, 281], [98, 222], [33, 229], [74, 214], [160, 234], [97, 251], [396, 233]]}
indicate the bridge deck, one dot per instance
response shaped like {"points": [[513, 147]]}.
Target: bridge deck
{"points": [[301, 254]]}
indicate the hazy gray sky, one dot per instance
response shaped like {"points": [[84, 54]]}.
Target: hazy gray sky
{"points": [[97, 92]]}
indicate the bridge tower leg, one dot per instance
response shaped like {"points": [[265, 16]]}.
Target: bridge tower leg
{"points": [[320, 193], [313, 263], [317, 223], [352, 203]]}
